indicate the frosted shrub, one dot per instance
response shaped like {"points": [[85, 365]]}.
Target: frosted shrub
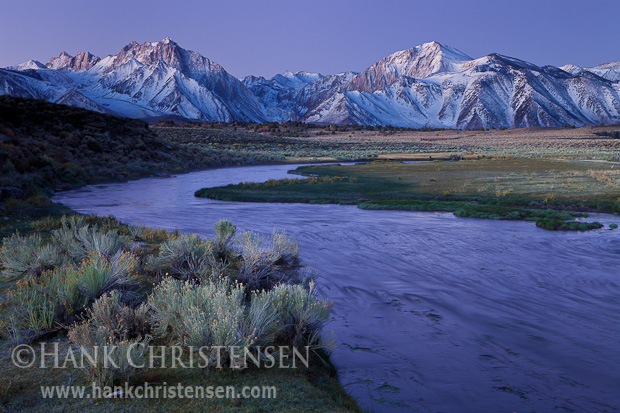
{"points": [[300, 311], [186, 256], [213, 313], [110, 323], [76, 239], [263, 264], [225, 233], [22, 256]]}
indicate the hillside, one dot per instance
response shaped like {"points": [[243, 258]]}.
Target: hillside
{"points": [[45, 146]]}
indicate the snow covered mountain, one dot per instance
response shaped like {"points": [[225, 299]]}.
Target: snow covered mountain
{"points": [[290, 95], [493, 91], [609, 71], [142, 80], [431, 85]]}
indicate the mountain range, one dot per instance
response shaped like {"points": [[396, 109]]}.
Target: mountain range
{"points": [[431, 85]]}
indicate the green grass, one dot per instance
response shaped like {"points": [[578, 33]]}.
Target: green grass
{"points": [[510, 189], [315, 389], [559, 225]]}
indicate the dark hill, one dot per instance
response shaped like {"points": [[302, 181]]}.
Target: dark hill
{"points": [[46, 146]]}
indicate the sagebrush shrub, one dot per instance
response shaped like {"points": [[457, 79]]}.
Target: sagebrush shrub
{"points": [[264, 264], [213, 313], [186, 256], [257, 263], [245, 291], [97, 274], [262, 320], [76, 239], [225, 232], [284, 249], [64, 291], [33, 304], [26, 256], [300, 311], [115, 325]]}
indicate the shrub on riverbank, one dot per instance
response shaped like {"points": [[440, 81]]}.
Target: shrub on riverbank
{"points": [[234, 290], [110, 322]]}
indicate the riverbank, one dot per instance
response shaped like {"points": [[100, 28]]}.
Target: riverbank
{"points": [[431, 312], [548, 191], [45, 148], [311, 388]]}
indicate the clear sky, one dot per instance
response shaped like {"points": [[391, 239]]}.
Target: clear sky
{"points": [[265, 37]]}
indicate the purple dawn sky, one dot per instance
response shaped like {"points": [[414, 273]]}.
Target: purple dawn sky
{"points": [[267, 37]]}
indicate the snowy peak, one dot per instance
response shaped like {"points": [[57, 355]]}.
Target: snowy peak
{"points": [[296, 80], [609, 71], [572, 69], [30, 64], [167, 52], [81, 61], [147, 53], [418, 62]]}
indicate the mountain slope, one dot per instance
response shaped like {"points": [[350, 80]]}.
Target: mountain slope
{"points": [[142, 80], [493, 91], [418, 62]]}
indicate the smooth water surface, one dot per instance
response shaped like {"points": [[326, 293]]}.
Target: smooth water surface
{"points": [[432, 312]]}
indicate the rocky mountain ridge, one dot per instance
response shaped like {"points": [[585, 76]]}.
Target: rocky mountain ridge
{"points": [[430, 85]]}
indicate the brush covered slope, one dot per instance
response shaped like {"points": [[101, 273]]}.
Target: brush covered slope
{"points": [[430, 85], [46, 146]]}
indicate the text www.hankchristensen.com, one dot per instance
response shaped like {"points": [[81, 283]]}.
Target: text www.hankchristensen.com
{"points": [[158, 391]]}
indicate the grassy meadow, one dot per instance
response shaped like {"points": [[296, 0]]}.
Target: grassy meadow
{"points": [[507, 188]]}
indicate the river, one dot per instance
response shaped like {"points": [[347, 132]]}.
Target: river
{"points": [[432, 312]]}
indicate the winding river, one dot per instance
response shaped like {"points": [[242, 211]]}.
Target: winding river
{"points": [[432, 312]]}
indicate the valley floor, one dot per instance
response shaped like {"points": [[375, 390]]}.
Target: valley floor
{"points": [[550, 167]]}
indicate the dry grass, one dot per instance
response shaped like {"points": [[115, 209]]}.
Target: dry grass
{"points": [[580, 143]]}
